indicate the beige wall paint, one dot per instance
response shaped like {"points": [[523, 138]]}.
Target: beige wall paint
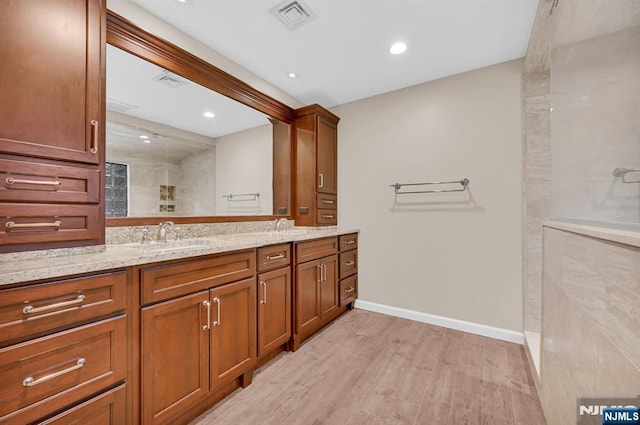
{"points": [[453, 255], [157, 26], [244, 164]]}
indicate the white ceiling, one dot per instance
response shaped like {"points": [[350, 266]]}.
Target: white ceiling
{"points": [[343, 54], [130, 82]]}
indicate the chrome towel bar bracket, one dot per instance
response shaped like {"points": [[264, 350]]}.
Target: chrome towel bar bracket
{"points": [[622, 172]]}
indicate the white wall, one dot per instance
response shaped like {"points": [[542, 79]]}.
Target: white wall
{"points": [[453, 255], [244, 164]]}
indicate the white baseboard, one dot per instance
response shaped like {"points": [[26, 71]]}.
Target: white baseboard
{"points": [[432, 319]]}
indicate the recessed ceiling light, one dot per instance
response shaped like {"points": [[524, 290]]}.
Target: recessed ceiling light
{"points": [[185, 1], [144, 137], [398, 48], [209, 114], [292, 75]]}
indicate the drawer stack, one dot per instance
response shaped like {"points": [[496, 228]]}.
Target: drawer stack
{"points": [[63, 352], [348, 269]]}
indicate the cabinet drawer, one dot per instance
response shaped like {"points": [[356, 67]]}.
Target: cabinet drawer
{"points": [[44, 375], [348, 263], [42, 223], [348, 290], [34, 310], [272, 257], [25, 181], [327, 217], [176, 279], [108, 408], [327, 201], [349, 241], [307, 251]]}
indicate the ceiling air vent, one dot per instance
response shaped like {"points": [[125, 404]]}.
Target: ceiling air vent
{"points": [[169, 79], [293, 14]]}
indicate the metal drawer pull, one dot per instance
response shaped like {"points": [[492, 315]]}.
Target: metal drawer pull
{"points": [[328, 216], [11, 180], [217, 321], [208, 305], [321, 180], [350, 242], [264, 292], [328, 201], [12, 225], [30, 382], [348, 290], [275, 257], [349, 263], [31, 309], [94, 139]]}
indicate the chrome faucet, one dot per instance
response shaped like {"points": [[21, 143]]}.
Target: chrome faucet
{"points": [[162, 231], [278, 224]]}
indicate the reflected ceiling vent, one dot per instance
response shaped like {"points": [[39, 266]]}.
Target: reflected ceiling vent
{"points": [[117, 106], [170, 79], [293, 14]]}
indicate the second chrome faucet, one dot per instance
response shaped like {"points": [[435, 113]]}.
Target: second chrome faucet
{"points": [[162, 231]]}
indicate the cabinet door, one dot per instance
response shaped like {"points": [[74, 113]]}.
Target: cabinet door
{"points": [[329, 287], [233, 330], [175, 357], [308, 296], [274, 309], [327, 154], [51, 78]]}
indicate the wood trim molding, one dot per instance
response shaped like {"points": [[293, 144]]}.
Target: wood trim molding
{"points": [[125, 35], [318, 110]]}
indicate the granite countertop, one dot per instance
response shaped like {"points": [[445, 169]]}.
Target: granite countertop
{"points": [[52, 263]]}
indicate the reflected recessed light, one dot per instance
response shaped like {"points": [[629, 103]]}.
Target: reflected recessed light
{"points": [[185, 1], [209, 114], [147, 141], [144, 137], [292, 75], [398, 48]]}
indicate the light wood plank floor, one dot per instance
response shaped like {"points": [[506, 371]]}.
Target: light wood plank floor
{"points": [[369, 368]]}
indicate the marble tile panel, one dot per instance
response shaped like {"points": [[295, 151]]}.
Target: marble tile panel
{"points": [[621, 322]]}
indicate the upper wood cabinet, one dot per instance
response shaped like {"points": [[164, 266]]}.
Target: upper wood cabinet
{"points": [[52, 123], [51, 79], [316, 160]]}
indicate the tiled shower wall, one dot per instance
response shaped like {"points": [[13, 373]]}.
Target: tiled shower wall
{"points": [[537, 193], [591, 322], [595, 128]]}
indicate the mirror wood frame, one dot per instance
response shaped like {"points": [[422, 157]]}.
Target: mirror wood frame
{"points": [[125, 35]]}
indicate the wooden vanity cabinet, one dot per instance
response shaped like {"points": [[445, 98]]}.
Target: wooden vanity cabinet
{"points": [[316, 162], [64, 350], [51, 123], [274, 298], [316, 287], [194, 343]]}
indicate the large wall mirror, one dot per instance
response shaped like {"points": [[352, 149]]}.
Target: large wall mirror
{"points": [[186, 141]]}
